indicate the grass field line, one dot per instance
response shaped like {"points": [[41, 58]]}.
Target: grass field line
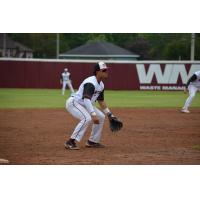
{"points": [[52, 98]]}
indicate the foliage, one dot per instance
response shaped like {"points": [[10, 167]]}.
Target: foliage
{"points": [[150, 46]]}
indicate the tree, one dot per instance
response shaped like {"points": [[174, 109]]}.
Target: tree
{"points": [[155, 46]]}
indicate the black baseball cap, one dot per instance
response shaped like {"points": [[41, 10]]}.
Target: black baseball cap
{"points": [[100, 66]]}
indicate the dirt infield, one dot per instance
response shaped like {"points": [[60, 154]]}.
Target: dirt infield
{"points": [[149, 136]]}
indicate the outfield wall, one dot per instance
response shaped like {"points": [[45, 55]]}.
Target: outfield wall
{"points": [[123, 75]]}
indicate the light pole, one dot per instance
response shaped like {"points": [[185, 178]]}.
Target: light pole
{"points": [[57, 45], [4, 44], [192, 46]]}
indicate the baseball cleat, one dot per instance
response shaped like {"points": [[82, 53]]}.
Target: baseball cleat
{"points": [[71, 145], [91, 144], [185, 111]]}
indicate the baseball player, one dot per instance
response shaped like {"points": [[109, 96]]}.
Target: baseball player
{"points": [[81, 106], [65, 80], [193, 85]]}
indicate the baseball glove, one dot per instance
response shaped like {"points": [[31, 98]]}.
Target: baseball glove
{"points": [[115, 123]]}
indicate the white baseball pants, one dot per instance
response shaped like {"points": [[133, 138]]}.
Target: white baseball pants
{"points": [[80, 112], [192, 92], [69, 84]]}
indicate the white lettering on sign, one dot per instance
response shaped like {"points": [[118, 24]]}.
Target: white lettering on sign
{"points": [[169, 76], [164, 87]]}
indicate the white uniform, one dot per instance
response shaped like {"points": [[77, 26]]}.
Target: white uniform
{"points": [[66, 81], [193, 87], [76, 106]]}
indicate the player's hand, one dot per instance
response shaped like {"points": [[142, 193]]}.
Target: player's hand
{"points": [[185, 91], [95, 119]]}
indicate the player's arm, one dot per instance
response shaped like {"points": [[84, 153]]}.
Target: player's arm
{"points": [[115, 123], [103, 104], [61, 79], [191, 79], [88, 92]]}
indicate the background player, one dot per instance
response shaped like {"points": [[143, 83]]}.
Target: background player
{"points": [[66, 80], [193, 85], [81, 106]]}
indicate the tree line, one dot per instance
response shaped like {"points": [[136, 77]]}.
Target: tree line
{"points": [[150, 46]]}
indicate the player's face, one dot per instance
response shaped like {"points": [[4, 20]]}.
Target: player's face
{"points": [[104, 73]]}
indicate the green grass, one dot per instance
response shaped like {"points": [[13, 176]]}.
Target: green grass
{"points": [[145, 99], [52, 98], [31, 98]]}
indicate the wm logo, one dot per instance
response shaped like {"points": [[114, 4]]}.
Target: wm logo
{"points": [[169, 76]]}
